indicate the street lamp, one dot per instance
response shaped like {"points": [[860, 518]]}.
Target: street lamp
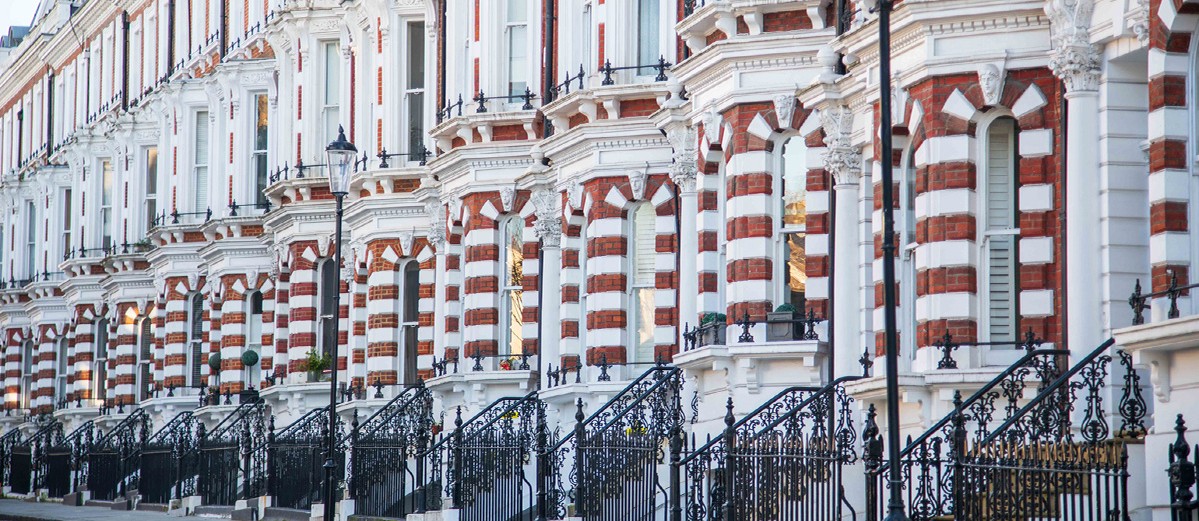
{"points": [[895, 507], [341, 155]]}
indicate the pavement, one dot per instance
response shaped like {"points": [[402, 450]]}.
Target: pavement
{"points": [[17, 510]]}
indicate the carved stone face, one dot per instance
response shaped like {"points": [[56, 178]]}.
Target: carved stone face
{"points": [[990, 79]]}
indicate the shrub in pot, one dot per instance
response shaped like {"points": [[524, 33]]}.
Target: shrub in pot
{"points": [[711, 329], [316, 364], [780, 325]]}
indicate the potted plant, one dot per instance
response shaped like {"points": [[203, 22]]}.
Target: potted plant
{"points": [[316, 364], [780, 324], [249, 358], [711, 329], [505, 365], [214, 366]]}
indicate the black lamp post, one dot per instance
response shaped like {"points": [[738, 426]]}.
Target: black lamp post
{"points": [[341, 155], [895, 507]]}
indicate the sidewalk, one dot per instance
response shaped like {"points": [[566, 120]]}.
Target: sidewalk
{"points": [[16, 510]]}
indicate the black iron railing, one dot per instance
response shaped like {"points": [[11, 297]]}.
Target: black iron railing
{"points": [[228, 467], [481, 100], [86, 253], [1139, 301], [608, 465], [167, 464], [1036, 463], [175, 217], [510, 362], [563, 89], [662, 66], [296, 459], [115, 459], [1184, 497], [66, 460], [388, 464], [689, 6], [10, 439], [421, 154], [491, 459], [450, 110], [784, 460], [561, 375], [28, 467], [264, 205], [946, 345]]}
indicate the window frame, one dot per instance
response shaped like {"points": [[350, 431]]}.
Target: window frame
{"points": [[150, 190], [509, 336], [645, 69], [634, 318], [99, 381], [325, 316], [330, 109], [107, 172], [409, 330], [145, 358], [782, 231], [414, 136], [31, 243], [986, 235], [28, 372], [508, 46], [260, 152], [195, 339], [254, 332], [62, 367], [201, 160]]}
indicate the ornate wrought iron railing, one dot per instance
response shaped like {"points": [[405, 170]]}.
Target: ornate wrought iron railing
{"points": [[229, 469], [616, 457], [492, 459], [1184, 500], [10, 439], [388, 455], [28, 465], [296, 460], [1139, 301], [66, 460], [167, 462], [1036, 463], [114, 461], [784, 460]]}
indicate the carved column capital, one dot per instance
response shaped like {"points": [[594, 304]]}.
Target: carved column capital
{"points": [[548, 224], [1073, 58], [842, 159], [683, 170]]}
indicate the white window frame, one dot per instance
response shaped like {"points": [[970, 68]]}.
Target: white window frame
{"points": [[151, 196], [259, 169], [201, 160], [633, 316], [410, 91], [28, 371], [325, 317], [409, 325], [985, 235], [145, 358], [647, 71], [781, 230], [331, 74], [31, 249], [906, 228], [107, 194], [507, 288], [100, 363], [508, 47], [254, 332], [68, 219], [195, 339], [62, 367]]}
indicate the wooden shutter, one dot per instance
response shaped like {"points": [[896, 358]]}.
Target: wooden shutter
{"points": [[1001, 216]]}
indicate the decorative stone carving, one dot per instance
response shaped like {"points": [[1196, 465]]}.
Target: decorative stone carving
{"points": [[507, 196], [436, 233], [322, 245], [712, 121], [1073, 58], [456, 208], [991, 79], [784, 109], [683, 170], [637, 182], [574, 195], [842, 160], [548, 225], [407, 239]]}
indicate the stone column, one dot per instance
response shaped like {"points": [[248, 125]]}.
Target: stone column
{"points": [[548, 228], [683, 173], [843, 162], [436, 238], [1077, 63]]}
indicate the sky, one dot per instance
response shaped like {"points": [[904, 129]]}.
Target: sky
{"points": [[16, 12]]}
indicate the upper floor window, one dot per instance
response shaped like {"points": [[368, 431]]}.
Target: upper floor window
{"points": [[200, 163], [107, 182], [195, 337], [331, 98], [27, 374], [512, 290], [67, 220], [100, 362], [516, 32], [642, 275], [151, 186], [1001, 233], [30, 239], [261, 139], [410, 321], [145, 358], [327, 292], [793, 217], [649, 14], [254, 335], [414, 90]]}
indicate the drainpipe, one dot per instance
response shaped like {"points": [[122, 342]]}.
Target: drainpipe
{"points": [[444, 52], [549, 70], [125, 60]]}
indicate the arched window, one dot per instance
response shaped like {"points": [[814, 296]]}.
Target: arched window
{"points": [[511, 289], [1000, 233], [254, 336], [195, 337], [409, 322], [327, 292], [100, 363], [27, 368], [145, 358], [61, 368], [642, 239], [791, 269]]}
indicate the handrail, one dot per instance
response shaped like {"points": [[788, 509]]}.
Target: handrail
{"points": [[134, 416], [1049, 389], [232, 418], [169, 427], [412, 393], [615, 399], [514, 401]]}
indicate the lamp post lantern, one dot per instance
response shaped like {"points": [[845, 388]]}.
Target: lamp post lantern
{"points": [[895, 506], [340, 163]]}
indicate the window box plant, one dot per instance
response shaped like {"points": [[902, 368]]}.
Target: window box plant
{"points": [[711, 329], [780, 324], [316, 364]]}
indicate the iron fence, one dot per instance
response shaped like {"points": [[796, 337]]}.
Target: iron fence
{"points": [[784, 460], [1184, 505], [229, 469], [616, 456], [10, 440], [296, 459], [389, 457], [66, 460], [167, 463], [492, 460], [113, 466], [1036, 463]]}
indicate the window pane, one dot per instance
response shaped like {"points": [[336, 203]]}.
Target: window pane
{"points": [[515, 254], [416, 55], [518, 10], [151, 171], [332, 74], [647, 34], [261, 177], [416, 125], [643, 245], [517, 60], [643, 342], [261, 122], [515, 301], [796, 270], [201, 149], [795, 183], [106, 181], [411, 292]]}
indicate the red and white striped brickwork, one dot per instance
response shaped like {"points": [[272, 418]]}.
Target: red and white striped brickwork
{"points": [[749, 215], [281, 337], [454, 284], [359, 317], [573, 254]]}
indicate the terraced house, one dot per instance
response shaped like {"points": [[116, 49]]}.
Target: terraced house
{"points": [[601, 259]]}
